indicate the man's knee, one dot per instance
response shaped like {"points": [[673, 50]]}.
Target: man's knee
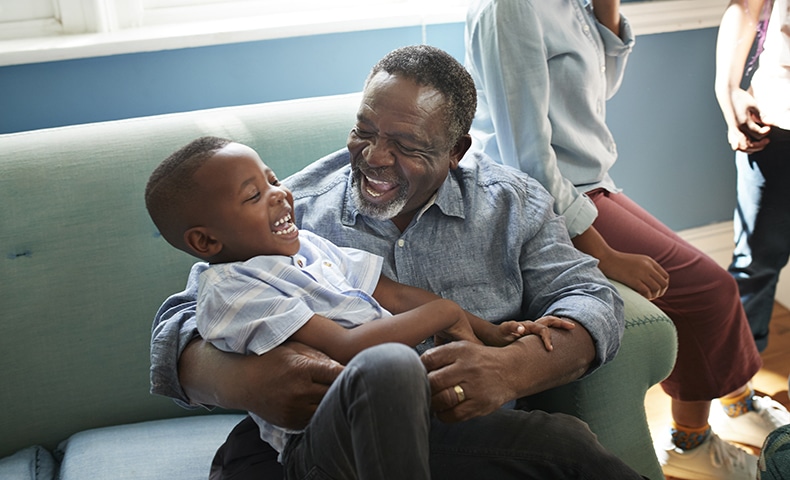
{"points": [[388, 369]]}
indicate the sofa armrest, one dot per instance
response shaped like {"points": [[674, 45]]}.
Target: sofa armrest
{"points": [[612, 400]]}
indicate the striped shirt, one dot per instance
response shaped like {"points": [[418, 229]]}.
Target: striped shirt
{"points": [[254, 306]]}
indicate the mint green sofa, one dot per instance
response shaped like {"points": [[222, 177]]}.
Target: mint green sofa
{"points": [[82, 271]]}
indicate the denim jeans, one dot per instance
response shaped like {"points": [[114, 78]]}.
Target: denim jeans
{"points": [[374, 423], [762, 229]]}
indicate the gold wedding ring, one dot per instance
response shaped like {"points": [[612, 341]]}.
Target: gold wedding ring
{"points": [[459, 392]]}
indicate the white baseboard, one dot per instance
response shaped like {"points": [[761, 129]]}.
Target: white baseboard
{"points": [[717, 241]]}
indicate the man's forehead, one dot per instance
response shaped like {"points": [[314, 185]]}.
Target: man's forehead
{"points": [[384, 83]]}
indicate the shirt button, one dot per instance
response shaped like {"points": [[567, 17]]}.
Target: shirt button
{"points": [[300, 263], [603, 68], [586, 28], [401, 242]]}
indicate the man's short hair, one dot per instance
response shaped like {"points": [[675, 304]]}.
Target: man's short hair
{"points": [[433, 67]]}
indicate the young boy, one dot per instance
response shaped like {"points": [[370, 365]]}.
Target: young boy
{"points": [[269, 282]]}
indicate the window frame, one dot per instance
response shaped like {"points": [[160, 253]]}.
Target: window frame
{"points": [[88, 28]]}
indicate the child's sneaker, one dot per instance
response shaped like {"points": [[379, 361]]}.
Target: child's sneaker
{"points": [[750, 428], [714, 459]]}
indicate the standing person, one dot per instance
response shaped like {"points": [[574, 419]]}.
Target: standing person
{"points": [[544, 71], [405, 189], [758, 129]]}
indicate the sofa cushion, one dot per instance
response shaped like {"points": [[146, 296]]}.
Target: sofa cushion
{"points": [[161, 449], [32, 463]]}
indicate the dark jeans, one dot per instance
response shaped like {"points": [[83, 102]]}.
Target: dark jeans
{"points": [[508, 444], [762, 229]]}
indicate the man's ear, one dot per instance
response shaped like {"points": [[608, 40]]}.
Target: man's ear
{"points": [[201, 242], [459, 150]]}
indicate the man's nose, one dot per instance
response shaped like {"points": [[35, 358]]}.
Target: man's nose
{"points": [[379, 154]]}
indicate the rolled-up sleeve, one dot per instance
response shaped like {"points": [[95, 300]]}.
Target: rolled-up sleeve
{"points": [[173, 328], [560, 280]]}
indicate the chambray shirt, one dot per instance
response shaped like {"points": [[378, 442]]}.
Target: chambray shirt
{"points": [[490, 241], [543, 71], [253, 306]]}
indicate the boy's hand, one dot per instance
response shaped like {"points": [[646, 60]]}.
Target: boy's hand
{"points": [[510, 331]]}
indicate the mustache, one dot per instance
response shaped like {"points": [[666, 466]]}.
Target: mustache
{"points": [[383, 174]]}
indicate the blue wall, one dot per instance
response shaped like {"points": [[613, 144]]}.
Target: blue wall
{"points": [[674, 159]]}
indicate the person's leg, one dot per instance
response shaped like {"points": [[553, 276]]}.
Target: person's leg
{"points": [[716, 355], [373, 423], [244, 456], [515, 444], [367, 423], [762, 230]]}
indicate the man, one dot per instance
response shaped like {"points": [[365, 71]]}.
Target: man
{"points": [[464, 228]]}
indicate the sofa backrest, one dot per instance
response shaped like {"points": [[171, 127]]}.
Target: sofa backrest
{"points": [[83, 270]]}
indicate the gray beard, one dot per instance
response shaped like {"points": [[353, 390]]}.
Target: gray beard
{"points": [[378, 212]]}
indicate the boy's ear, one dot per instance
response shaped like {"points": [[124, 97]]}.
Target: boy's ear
{"points": [[201, 242]]}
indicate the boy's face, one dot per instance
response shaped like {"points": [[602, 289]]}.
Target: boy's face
{"points": [[246, 208]]}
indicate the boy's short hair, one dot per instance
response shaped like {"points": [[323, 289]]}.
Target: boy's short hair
{"points": [[171, 187]]}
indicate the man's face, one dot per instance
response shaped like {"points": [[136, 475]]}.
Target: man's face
{"points": [[400, 153]]}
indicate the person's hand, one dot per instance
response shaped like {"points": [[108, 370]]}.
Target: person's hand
{"points": [[511, 330], [298, 377], [284, 385], [640, 272], [476, 370], [469, 380], [749, 134]]}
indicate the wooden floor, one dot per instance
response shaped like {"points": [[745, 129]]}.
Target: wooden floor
{"points": [[771, 379]]}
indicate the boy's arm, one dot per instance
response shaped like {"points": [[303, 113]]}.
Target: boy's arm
{"points": [[397, 297], [410, 327]]}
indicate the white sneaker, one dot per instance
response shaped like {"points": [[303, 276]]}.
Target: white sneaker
{"points": [[750, 428], [714, 459]]}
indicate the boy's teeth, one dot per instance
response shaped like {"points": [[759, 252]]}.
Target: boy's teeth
{"points": [[288, 230], [279, 222]]}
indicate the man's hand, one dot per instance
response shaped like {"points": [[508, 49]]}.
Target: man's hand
{"points": [[283, 386], [489, 377], [477, 369]]}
